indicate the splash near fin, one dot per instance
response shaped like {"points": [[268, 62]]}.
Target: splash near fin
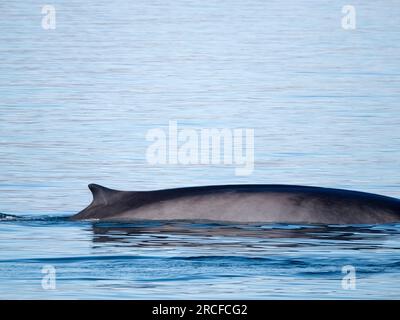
{"points": [[101, 195]]}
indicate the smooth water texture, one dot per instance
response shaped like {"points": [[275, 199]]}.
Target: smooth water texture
{"points": [[76, 104]]}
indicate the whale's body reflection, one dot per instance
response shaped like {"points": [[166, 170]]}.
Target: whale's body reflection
{"points": [[190, 233]]}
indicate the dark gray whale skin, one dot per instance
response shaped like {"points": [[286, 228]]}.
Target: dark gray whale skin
{"points": [[243, 203]]}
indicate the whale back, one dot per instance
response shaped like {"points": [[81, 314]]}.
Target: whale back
{"points": [[283, 202]]}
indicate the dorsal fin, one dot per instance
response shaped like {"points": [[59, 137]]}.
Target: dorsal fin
{"points": [[101, 195]]}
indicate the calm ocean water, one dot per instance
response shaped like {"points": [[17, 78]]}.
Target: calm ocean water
{"points": [[76, 104]]}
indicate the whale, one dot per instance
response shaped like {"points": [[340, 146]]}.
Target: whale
{"points": [[246, 203]]}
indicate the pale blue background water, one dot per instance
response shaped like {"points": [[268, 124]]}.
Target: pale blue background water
{"points": [[76, 103]]}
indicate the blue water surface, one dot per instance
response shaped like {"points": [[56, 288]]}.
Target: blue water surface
{"points": [[181, 260], [76, 103]]}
